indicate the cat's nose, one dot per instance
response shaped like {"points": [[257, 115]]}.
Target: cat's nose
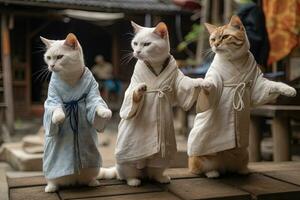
{"points": [[138, 52], [52, 66]]}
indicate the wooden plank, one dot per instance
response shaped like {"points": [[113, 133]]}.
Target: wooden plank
{"points": [[203, 188], [26, 181], [255, 135], [271, 166], [146, 196], [287, 176], [103, 191], [263, 187], [40, 180], [32, 193], [281, 139], [176, 173]]}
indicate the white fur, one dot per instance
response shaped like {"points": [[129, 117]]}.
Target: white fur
{"points": [[84, 177], [58, 116], [103, 113], [70, 67], [156, 52], [108, 173]]}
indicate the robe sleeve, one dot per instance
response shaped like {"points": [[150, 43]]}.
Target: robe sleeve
{"points": [[185, 91], [129, 107], [93, 100], [53, 101], [260, 90], [214, 95]]}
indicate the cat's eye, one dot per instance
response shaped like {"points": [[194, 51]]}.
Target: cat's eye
{"points": [[134, 43], [59, 56], [225, 37], [48, 57], [147, 44]]}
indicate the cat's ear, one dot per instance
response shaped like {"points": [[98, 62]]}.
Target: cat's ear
{"points": [[136, 27], [71, 41], [210, 28], [236, 22], [46, 41], [161, 29]]}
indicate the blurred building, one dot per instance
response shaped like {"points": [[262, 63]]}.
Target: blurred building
{"points": [[102, 27]]}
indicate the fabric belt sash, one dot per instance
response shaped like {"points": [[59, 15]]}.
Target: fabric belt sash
{"points": [[71, 108]]}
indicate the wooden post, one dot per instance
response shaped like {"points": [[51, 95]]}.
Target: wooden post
{"points": [[7, 78], [227, 10], [255, 139], [281, 139], [202, 36], [115, 52]]}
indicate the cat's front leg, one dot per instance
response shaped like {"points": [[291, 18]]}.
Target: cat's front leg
{"points": [[102, 115], [203, 101], [139, 92], [283, 89], [58, 116], [103, 112]]}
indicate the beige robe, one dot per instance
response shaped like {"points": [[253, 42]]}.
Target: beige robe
{"points": [[238, 85], [146, 127]]}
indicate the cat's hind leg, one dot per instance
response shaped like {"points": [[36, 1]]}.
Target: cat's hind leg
{"points": [[130, 173], [157, 174], [87, 176], [51, 187]]}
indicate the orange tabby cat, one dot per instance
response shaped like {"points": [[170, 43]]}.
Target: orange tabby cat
{"points": [[219, 139]]}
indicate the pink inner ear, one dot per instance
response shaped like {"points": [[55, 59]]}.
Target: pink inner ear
{"points": [[236, 22], [161, 30], [71, 40]]}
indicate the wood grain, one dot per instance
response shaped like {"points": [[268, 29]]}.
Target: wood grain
{"points": [[31, 193], [203, 188]]}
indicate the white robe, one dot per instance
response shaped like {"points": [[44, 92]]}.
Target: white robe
{"points": [[146, 127], [238, 85]]}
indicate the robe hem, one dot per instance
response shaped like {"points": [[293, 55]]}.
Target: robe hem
{"points": [[225, 146], [137, 158]]}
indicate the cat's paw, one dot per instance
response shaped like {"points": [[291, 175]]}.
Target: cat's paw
{"points": [[133, 182], [103, 112], [94, 183], [284, 89], [212, 174], [207, 85], [58, 116], [139, 91], [51, 188], [288, 91], [163, 179]]}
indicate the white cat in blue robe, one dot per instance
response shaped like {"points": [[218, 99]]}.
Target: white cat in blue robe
{"points": [[74, 110]]}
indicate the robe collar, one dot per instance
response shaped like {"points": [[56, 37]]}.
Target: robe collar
{"points": [[164, 65], [143, 74]]}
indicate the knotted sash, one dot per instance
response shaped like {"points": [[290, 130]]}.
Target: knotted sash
{"points": [[71, 108], [238, 93]]}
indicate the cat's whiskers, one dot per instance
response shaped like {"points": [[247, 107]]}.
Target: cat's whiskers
{"points": [[126, 58], [40, 74]]}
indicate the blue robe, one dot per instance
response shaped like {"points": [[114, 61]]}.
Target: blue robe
{"points": [[72, 145]]}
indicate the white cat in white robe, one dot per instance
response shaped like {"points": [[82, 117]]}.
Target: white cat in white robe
{"points": [[146, 139]]}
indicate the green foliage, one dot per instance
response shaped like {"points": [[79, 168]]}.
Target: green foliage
{"points": [[191, 37]]}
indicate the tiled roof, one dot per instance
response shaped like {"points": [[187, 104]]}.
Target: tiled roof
{"points": [[137, 6]]}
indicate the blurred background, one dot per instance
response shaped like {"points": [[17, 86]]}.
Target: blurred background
{"points": [[104, 31]]}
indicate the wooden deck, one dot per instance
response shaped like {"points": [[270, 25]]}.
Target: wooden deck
{"points": [[267, 181]]}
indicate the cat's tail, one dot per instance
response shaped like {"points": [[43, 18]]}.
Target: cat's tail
{"points": [[108, 173]]}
